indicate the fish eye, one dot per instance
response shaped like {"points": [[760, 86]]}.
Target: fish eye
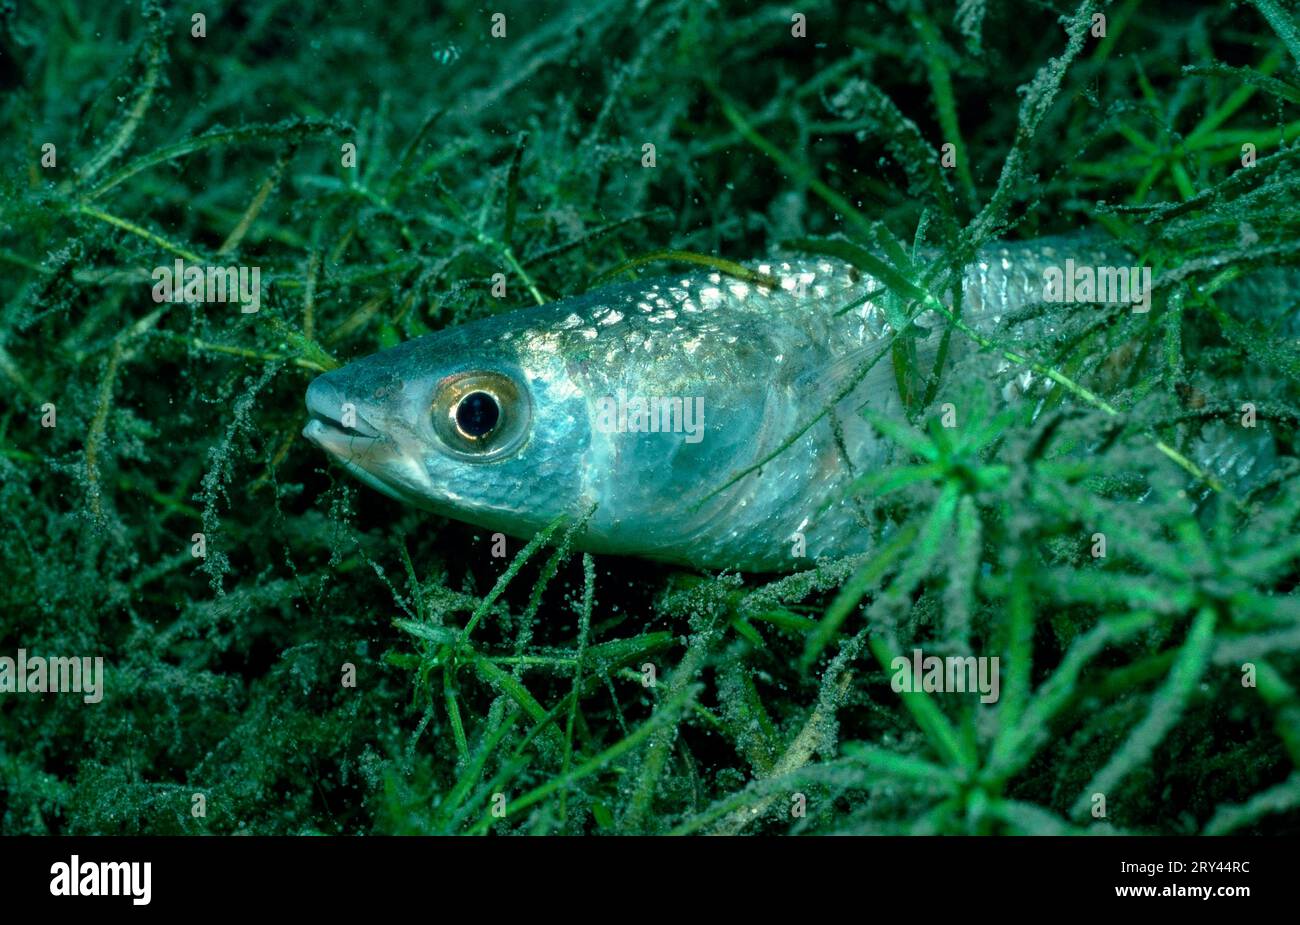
{"points": [[480, 416], [477, 415]]}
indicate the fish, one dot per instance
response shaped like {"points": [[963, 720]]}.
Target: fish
{"points": [[672, 412]]}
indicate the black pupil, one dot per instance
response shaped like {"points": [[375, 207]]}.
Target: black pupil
{"points": [[477, 414]]}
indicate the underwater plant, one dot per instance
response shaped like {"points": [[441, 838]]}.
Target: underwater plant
{"points": [[200, 213]]}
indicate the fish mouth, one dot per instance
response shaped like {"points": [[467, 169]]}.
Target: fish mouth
{"points": [[360, 447], [326, 404], [368, 457], [320, 426], [328, 407], [357, 450], [357, 445]]}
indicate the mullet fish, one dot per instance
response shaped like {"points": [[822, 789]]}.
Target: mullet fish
{"points": [[641, 403]]}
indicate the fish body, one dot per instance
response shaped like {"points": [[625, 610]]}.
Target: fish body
{"points": [[638, 404]]}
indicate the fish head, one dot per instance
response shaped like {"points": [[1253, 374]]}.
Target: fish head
{"points": [[481, 423]]}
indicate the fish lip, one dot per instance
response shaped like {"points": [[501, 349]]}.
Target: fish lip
{"points": [[318, 431], [325, 401], [321, 424], [364, 457], [354, 449]]}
